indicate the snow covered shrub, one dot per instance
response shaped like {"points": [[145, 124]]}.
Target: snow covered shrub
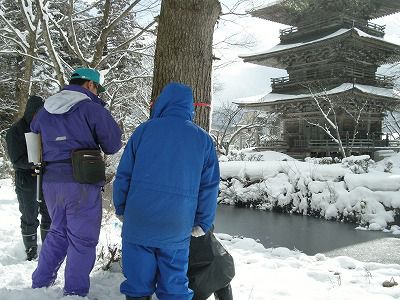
{"points": [[358, 164], [337, 160], [5, 168], [301, 194], [243, 156], [236, 156], [242, 193], [388, 166], [319, 160], [110, 257], [323, 199], [254, 157]]}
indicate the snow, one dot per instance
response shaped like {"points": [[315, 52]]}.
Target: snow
{"points": [[274, 97], [273, 273], [355, 190], [376, 181], [267, 4], [252, 154]]}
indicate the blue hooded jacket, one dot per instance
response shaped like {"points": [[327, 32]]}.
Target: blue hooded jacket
{"points": [[168, 178], [74, 118]]}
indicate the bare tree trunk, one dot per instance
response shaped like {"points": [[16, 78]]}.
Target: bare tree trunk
{"points": [[23, 80], [184, 50], [23, 84], [49, 44]]}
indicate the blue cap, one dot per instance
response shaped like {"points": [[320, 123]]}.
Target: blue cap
{"points": [[88, 74]]}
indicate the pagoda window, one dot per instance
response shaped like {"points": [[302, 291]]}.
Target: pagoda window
{"points": [[292, 127]]}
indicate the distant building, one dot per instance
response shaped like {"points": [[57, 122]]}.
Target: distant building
{"points": [[331, 53]]}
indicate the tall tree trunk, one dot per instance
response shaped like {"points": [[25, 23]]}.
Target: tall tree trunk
{"points": [[42, 16], [23, 80], [184, 50]]}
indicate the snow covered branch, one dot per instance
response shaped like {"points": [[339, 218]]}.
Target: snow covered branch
{"points": [[125, 44], [328, 111], [108, 27], [18, 35], [43, 16]]}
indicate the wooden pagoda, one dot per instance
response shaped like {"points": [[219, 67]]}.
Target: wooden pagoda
{"points": [[331, 53]]}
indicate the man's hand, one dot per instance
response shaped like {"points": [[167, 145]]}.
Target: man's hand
{"points": [[197, 231]]}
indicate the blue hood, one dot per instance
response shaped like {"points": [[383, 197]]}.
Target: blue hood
{"points": [[175, 99]]}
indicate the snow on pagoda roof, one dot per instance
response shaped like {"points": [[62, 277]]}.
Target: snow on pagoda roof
{"points": [[340, 32], [287, 11], [268, 4], [275, 97]]}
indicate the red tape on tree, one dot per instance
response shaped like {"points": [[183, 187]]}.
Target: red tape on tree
{"points": [[202, 104]]}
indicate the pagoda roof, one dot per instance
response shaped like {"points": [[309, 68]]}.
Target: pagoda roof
{"points": [[274, 98], [269, 57], [290, 12]]}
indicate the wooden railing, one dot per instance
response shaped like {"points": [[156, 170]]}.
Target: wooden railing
{"points": [[329, 144], [274, 144], [357, 144], [369, 27], [346, 74]]}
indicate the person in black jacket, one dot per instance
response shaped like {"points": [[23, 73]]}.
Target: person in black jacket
{"points": [[25, 181], [211, 268]]}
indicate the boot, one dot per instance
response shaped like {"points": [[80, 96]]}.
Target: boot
{"points": [[224, 293], [31, 253], [30, 242], [138, 298], [43, 234]]}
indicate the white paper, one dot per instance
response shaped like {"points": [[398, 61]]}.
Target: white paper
{"points": [[34, 147]]}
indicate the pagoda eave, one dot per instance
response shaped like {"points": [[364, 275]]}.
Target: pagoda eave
{"points": [[263, 60], [276, 12], [272, 57], [285, 12], [386, 7], [273, 99]]}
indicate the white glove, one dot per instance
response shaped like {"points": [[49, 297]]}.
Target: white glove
{"points": [[197, 231], [120, 217]]}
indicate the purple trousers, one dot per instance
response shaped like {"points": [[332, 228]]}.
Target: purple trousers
{"points": [[75, 210]]}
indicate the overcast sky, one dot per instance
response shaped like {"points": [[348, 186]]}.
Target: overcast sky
{"points": [[240, 79]]}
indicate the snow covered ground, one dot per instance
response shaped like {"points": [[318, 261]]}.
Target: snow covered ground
{"points": [[270, 274]]}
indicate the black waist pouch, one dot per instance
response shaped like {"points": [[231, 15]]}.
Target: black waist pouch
{"points": [[88, 166]]}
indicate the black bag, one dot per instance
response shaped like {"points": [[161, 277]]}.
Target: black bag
{"points": [[211, 267], [88, 166]]}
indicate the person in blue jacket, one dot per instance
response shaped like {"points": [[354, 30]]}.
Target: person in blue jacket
{"points": [[74, 118], [165, 190]]}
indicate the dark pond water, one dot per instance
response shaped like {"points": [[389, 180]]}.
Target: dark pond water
{"points": [[308, 234]]}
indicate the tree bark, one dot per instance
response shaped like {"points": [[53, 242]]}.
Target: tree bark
{"points": [[49, 44], [23, 82], [23, 79], [184, 50]]}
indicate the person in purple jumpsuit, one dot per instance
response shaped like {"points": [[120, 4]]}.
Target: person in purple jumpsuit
{"points": [[74, 118]]}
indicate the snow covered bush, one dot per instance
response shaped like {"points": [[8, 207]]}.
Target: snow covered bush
{"points": [[388, 166], [5, 168], [342, 192], [243, 193], [320, 160], [243, 156], [358, 164]]}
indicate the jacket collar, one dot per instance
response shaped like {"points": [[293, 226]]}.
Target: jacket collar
{"points": [[78, 88]]}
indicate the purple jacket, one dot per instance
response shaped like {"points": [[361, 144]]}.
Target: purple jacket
{"points": [[74, 118]]}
